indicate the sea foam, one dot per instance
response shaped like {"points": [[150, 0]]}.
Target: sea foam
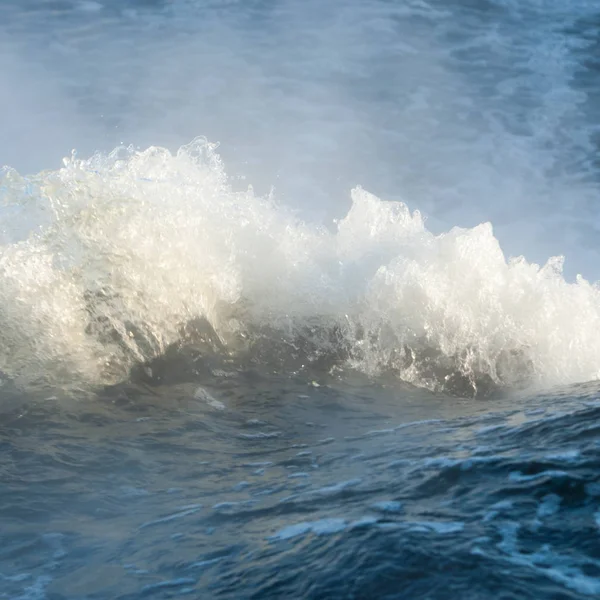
{"points": [[120, 256]]}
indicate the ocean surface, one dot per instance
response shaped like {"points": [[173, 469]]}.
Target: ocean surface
{"points": [[299, 300]]}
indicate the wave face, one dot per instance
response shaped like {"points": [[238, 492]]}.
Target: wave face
{"points": [[109, 262]]}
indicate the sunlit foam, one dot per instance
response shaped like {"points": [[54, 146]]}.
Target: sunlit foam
{"points": [[127, 253]]}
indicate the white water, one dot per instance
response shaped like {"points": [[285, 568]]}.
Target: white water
{"points": [[116, 254]]}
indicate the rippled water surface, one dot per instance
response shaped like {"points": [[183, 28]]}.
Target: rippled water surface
{"points": [[257, 486]]}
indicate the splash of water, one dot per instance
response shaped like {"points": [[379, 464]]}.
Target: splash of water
{"points": [[108, 262]]}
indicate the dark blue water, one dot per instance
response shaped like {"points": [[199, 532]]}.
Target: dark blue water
{"points": [[298, 389], [349, 490]]}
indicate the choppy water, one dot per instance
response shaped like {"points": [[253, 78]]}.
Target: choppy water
{"points": [[265, 487], [343, 381]]}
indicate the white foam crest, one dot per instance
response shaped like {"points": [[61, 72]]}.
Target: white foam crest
{"points": [[126, 250]]}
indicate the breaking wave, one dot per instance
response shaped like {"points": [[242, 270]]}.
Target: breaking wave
{"points": [[111, 262]]}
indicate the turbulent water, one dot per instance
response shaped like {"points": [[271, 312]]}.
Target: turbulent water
{"points": [[346, 345]]}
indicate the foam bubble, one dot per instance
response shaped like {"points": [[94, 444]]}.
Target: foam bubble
{"points": [[322, 527]]}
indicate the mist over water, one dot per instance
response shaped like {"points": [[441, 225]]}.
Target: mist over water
{"points": [[467, 112], [301, 315]]}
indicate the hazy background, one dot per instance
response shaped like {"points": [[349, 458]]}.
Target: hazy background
{"points": [[468, 111]]}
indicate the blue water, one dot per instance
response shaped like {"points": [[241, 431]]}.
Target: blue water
{"points": [[287, 324]]}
